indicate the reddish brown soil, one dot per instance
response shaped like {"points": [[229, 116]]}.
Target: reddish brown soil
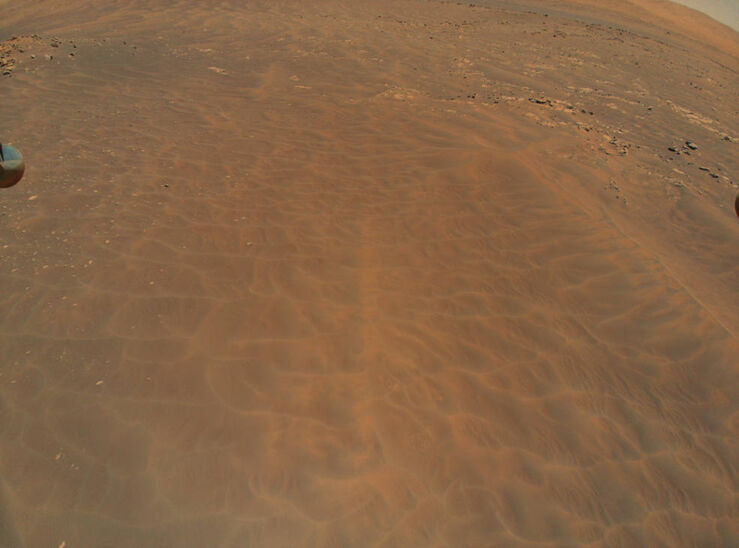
{"points": [[352, 274]]}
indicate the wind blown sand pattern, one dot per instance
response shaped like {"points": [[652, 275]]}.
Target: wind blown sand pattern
{"points": [[389, 274]]}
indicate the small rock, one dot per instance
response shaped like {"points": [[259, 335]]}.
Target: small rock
{"points": [[714, 175], [672, 149], [48, 57], [691, 145], [702, 168]]}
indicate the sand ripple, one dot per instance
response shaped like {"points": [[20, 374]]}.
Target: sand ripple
{"points": [[354, 288]]}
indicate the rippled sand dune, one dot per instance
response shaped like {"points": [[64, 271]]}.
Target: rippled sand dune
{"points": [[393, 274]]}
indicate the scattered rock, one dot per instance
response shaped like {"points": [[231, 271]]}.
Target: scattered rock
{"points": [[691, 145]]}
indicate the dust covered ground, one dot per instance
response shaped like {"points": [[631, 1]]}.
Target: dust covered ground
{"points": [[352, 274]]}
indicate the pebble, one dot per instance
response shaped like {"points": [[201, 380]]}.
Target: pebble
{"points": [[691, 145]]}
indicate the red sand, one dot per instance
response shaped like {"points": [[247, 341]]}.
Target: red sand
{"points": [[394, 274]]}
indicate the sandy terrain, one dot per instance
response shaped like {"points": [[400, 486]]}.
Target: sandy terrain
{"points": [[353, 274]]}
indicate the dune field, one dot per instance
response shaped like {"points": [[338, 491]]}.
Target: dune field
{"points": [[385, 274]]}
